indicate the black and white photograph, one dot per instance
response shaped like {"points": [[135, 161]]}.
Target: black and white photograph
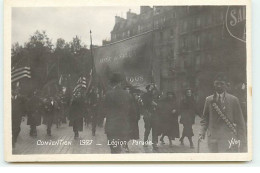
{"points": [[155, 82]]}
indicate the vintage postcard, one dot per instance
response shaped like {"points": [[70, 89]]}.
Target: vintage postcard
{"points": [[127, 80]]}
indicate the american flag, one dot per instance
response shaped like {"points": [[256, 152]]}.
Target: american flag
{"points": [[20, 73], [81, 83]]}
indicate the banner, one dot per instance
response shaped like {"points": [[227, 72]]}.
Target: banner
{"points": [[130, 57], [236, 22]]}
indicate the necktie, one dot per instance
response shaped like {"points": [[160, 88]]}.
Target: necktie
{"points": [[219, 100]]}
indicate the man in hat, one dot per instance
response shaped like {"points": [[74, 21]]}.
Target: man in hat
{"points": [[168, 112], [18, 110], [223, 120], [188, 111], [48, 113], [76, 112], [94, 101], [134, 116], [151, 121], [117, 105], [34, 113]]}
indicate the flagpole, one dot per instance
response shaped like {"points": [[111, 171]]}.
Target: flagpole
{"points": [[58, 66], [92, 59], [152, 57]]}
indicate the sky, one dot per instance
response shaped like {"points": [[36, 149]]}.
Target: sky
{"points": [[66, 22]]}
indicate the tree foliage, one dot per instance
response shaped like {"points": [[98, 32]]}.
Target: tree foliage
{"points": [[49, 62]]}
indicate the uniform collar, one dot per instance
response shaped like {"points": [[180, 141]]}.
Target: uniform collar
{"points": [[221, 96]]}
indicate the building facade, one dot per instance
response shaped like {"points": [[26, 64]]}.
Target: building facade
{"points": [[190, 43]]}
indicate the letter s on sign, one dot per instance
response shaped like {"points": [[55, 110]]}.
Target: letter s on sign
{"points": [[234, 21]]}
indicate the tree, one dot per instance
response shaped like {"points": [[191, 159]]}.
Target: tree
{"points": [[40, 40], [76, 45], [39, 50], [64, 58], [60, 44], [48, 62], [16, 54]]}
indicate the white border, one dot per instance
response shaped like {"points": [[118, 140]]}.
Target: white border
{"points": [[9, 157]]}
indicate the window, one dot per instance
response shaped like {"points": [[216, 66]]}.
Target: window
{"points": [[209, 58], [188, 9], [197, 62], [221, 16], [158, 52], [198, 22], [114, 36], [172, 53], [197, 42], [181, 43], [171, 33], [185, 24], [186, 63], [161, 35], [186, 42], [139, 28], [156, 24], [209, 20], [174, 14]]}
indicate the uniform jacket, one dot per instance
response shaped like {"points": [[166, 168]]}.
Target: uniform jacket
{"points": [[168, 120], [117, 105], [77, 112], [48, 112], [34, 111], [18, 110], [77, 109], [188, 110], [134, 117], [217, 130]]}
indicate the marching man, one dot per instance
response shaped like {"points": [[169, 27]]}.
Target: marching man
{"points": [[223, 120]]}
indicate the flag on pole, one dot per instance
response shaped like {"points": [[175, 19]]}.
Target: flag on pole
{"points": [[81, 83], [89, 80], [20, 73]]}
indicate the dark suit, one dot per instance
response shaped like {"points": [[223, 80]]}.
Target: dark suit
{"points": [[151, 118], [48, 113], [76, 114], [169, 120], [94, 99], [117, 105], [34, 113], [18, 109]]}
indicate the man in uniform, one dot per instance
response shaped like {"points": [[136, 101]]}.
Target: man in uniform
{"points": [[18, 109], [64, 98], [34, 113], [117, 105], [223, 120], [150, 116], [94, 105], [77, 111], [49, 108]]}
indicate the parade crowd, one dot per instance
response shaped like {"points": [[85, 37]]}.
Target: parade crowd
{"points": [[121, 107]]}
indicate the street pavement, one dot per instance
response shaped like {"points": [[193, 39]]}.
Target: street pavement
{"points": [[62, 141]]}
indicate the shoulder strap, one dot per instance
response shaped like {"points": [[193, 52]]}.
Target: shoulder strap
{"points": [[222, 116]]}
